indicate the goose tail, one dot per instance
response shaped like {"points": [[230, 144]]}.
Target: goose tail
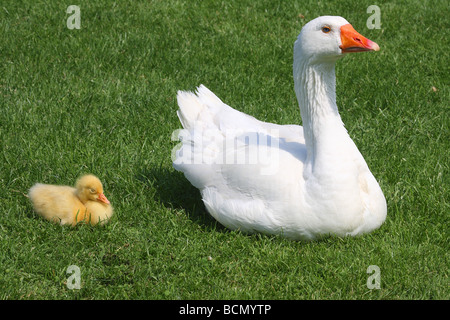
{"points": [[192, 104]]}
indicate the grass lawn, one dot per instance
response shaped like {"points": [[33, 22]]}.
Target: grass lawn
{"points": [[102, 100]]}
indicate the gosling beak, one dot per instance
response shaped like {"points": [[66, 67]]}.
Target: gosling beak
{"points": [[102, 198], [352, 41]]}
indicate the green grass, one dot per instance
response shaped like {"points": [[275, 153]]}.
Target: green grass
{"points": [[102, 100]]}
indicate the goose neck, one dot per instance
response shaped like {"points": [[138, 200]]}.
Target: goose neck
{"points": [[315, 86]]}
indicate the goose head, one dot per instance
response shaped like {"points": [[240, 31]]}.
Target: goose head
{"points": [[328, 38]]}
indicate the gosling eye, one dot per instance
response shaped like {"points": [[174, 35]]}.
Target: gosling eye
{"points": [[91, 190], [326, 29]]}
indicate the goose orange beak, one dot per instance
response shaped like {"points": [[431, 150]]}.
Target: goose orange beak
{"points": [[352, 41], [102, 198]]}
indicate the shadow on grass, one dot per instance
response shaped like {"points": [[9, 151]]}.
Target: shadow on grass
{"points": [[174, 191]]}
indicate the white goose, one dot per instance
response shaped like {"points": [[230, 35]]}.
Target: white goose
{"points": [[299, 182]]}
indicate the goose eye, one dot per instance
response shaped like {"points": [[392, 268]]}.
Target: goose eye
{"points": [[326, 29], [92, 190]]}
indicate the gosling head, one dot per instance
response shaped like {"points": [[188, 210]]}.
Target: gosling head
{"points": [[90, 188]]}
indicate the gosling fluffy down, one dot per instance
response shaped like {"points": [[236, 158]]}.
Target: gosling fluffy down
{"points": [[68, 206]]}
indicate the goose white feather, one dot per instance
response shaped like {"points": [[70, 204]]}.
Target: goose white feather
{"points": [[299, 182]]}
